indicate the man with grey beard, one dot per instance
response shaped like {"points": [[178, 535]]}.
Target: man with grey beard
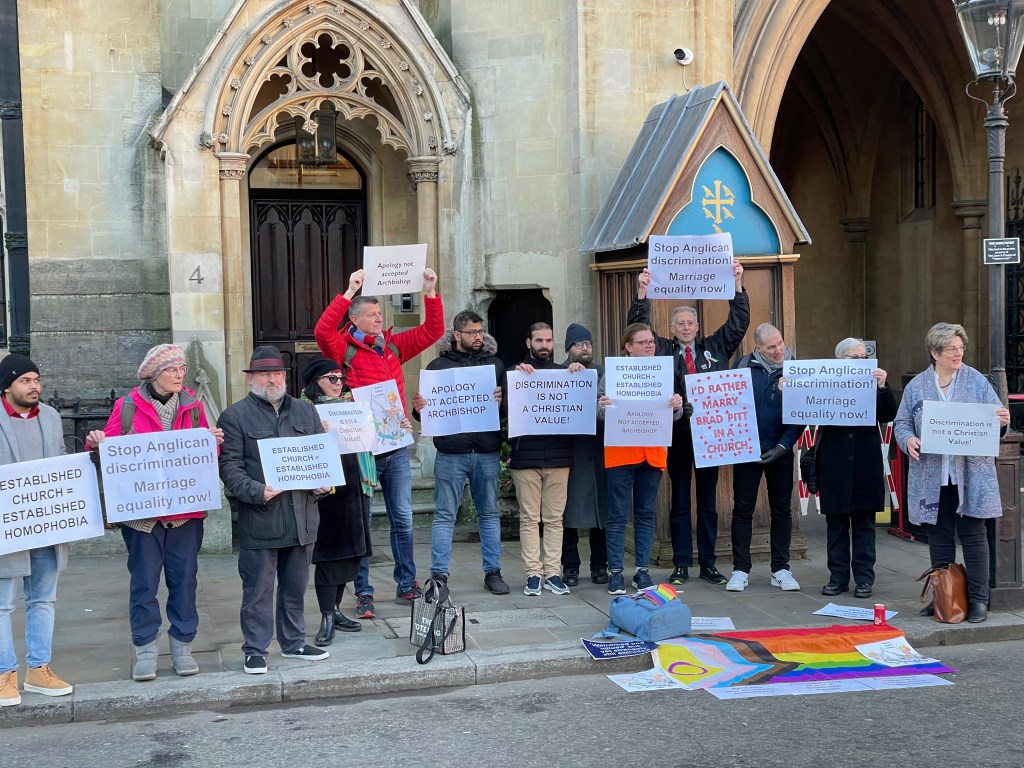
{"points": [[276, 529]]}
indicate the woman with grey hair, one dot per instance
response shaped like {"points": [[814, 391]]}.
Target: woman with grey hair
{"points": [[851, 487], [951, 494]]}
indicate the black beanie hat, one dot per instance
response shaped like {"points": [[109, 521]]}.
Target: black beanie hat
{"points": [[576, 333], [318, 368], [14, 366]]}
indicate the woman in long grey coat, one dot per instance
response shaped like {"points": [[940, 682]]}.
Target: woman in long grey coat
{"points": [[951, 494]]}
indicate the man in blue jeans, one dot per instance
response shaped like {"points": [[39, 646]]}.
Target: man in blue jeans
{"points": [[474, 456]]}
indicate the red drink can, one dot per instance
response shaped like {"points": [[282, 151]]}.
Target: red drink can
{"points": [[879, 614]]}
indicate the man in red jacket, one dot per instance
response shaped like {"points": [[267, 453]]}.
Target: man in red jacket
{"points": [[357, 324]]}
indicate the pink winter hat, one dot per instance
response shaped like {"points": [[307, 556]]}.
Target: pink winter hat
{"points": [[159, 359]]}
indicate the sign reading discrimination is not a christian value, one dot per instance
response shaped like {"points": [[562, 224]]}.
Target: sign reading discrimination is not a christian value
{"points": [[552, 402], [959, 429], [156, 474], [638, 378], [723, 425], [691, 267], [47, 502], [834, 392], [301, 463], [351, 423], [459, 401]]}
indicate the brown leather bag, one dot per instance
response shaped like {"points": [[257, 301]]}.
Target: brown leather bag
{"points": [[949, 592]]}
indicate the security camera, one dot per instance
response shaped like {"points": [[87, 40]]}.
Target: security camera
{"points": [[683, 56]]}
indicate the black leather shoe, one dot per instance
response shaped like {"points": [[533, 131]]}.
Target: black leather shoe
{"points": [[343, 623], [679, 576], [599, 577], [928, 610], [832, 589], [571, 577], [862, 590], [711, 575], [977, 613], [325, 634]]}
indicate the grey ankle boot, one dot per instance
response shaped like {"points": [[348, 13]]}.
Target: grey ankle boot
{"points": [[145, 661], [181, 658]]}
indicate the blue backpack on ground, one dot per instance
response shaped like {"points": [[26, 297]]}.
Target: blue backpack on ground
{"points": [[649, 614]]}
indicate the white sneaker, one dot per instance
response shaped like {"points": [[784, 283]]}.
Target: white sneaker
{"points": [[785, 581], [737, 582]]}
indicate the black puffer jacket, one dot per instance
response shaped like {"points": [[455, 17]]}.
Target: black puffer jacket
{"points": [[449, 356], [539, 451]]}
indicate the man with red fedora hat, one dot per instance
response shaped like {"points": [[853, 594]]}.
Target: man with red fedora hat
{"points": [[276, 529]]}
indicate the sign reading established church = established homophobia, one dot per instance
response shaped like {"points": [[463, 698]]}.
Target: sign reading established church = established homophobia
{"points": [[723, 424], [48, 501], [156, 474], [835, 392], [301, 463], [638, 377], [459, 401], [552, 402], [691, 267]]}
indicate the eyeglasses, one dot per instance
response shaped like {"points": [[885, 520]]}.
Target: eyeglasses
{"points": [[583, 344], [182, 369], [478, 333], [642, 342], [857, 357], [954, 350], [333, 379]]}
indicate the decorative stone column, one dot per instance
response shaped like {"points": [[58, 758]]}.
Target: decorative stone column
{"points": [[975, 308], [856, 230], [234, 266]]}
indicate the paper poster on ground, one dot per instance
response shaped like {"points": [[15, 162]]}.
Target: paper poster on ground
{"points": [[391, 269], [832, 392], [643, 378], [959, 429], [894, 652], [638, 423], [459, 401], [552, 402], [691, 267], [156, 474], [351, 423], [849, 612], [48, 501], [723, 425], [648, 680], [388, 414], [301, 463], [616, 649]]}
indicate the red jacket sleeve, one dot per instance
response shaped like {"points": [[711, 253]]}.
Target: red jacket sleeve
{"points": [[413, 341], [327, 334]]}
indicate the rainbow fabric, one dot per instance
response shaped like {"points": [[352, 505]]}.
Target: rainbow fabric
{"points": [[780, 656], [660, 594]]}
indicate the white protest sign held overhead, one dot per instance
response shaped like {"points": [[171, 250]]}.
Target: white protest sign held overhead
{"points": [[691, 267], [459, 401], [638, 423], [959, 429], [47, 502], [638, 377], [723, 425], [388, 414], [390, 269], [351, 423], [156, 474], [835, 392], [301, 463], [552, 402]]}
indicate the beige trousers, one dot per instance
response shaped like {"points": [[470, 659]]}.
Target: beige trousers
{"points": [[541, 495]]}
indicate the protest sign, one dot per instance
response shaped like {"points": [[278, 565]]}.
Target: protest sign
{"points": [[459, 401], [301, 463], [351, 423], [639, 377], [156, 474], [391, 269], [552, 402], [388, 413], [639, 423], [616, 649], [836, 392], [691, 267], [723, 425], [47, 502], [959, 429]]}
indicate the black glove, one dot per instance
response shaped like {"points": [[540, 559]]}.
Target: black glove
{"points": [[687, 410], [773, 454]]}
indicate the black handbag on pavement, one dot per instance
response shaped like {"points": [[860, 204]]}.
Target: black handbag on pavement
{"points": [[437, 626]]}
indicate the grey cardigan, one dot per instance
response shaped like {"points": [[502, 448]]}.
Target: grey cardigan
{"points": [[977, 486], [19, 563]]}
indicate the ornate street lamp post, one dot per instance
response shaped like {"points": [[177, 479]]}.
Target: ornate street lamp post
{"points": [[994, 34]]}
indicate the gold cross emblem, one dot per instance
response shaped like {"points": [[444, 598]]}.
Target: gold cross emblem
{"points": [[719, 202]]}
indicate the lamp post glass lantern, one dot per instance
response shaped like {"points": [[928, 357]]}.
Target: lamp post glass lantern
{"points": [[993, 34]]}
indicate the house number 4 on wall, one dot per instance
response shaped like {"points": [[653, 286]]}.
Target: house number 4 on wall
{"points": [[196, 276]]}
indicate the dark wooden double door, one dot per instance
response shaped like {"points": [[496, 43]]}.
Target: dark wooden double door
{"points": [[304, 247]]}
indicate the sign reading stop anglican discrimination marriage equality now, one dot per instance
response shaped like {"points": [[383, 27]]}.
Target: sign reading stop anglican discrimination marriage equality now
{"points": [[723, 424]]}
